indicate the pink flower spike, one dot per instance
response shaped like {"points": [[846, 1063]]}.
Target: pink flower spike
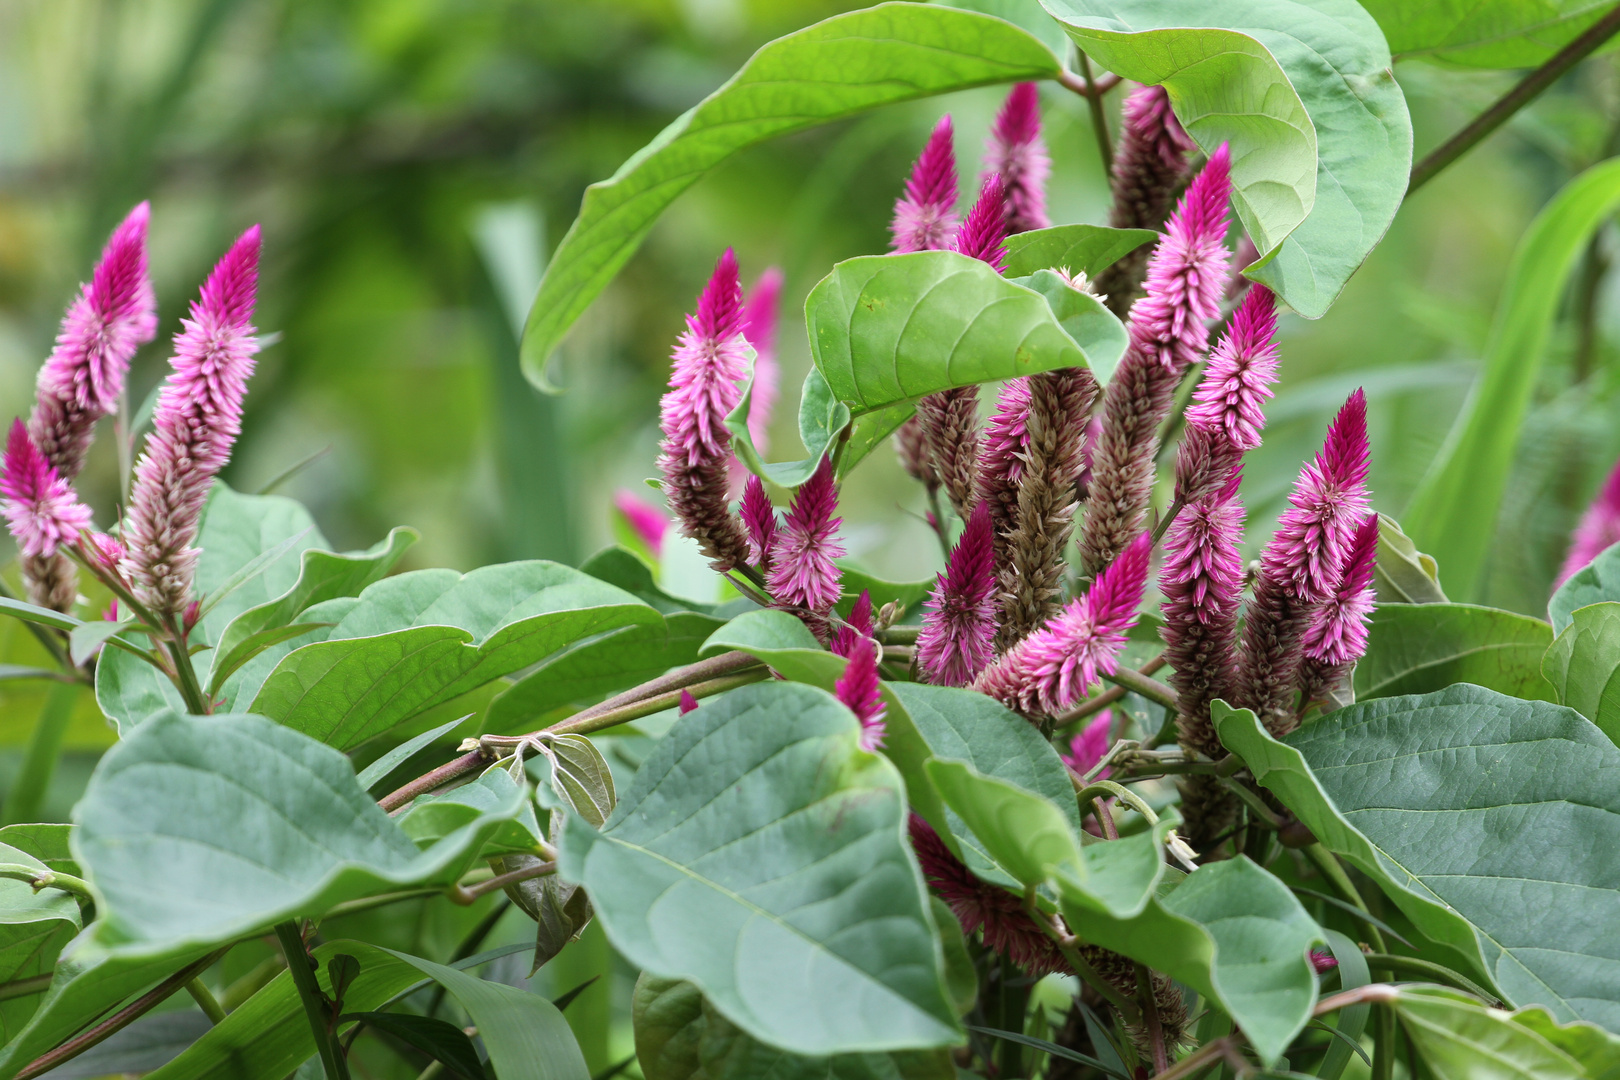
{"points": [[687, 703], [1088, 747], [1053, 668], [1016, 153], [1241, 369], [644, 519], [1187, 273], [759, 328], [858, 688], [1327, 504], [1323, 961], [759, 518], [983, 235], [1338, 635], [856, 633], [959, 622], [40, 507], [802, 572], [1599, 528], [109, 552], [925, 217], [198, 416]]}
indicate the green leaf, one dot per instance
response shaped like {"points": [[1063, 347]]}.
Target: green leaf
{"points": [[1484, 33], [1403, 574], [323, 575], [129, 690], [33, 929], [1234, 933], [436, 816], [1492, 823], [196, 830], [760, 853], [840, 67], [1417, 648], [1460, 1038], [260, 534], [1351, 1021], [1595, 583], [870, 431], [420, 639], [621, 567], [1453, 514], [1582, 665], [682, 1036], [438, 1039], [44, 616], [781, 642], [822, 418], [46, 841], [1084, 318], [1318, 192], [87, 637], [369, 776], [961, 976], [855, 581], [890, 328], [1076, 248]]}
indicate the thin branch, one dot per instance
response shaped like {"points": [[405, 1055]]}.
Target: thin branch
{"points": [[1514, 100], [1150, 1013], [468, 896], [1099, 121], [1432, 972], [1106, 698], [46, 879], [1198, 1059], [1137, 683]]}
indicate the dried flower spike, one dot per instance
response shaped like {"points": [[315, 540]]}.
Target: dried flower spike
{"points": [[1016, 153], [925, 217], [802, 572], [959, 622]]}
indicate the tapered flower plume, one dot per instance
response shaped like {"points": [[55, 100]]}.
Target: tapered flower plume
{"points": [[981, 907], [759, 328], [925, 217], [1016, 153], [1150, 162], [1088, 747], [857, 629], [1338, 636], [710, 361], [1053, 668], [644, 519], [759, 518], [1237, 381], [959, 622], [1187, 274], [859, 690], [1599, 527], [1327, 504], [949, 421], [1202, 583], [983, 235], [40, 507], [198, 416], [1001, 455], [114, 315], [802, 572], [1323, 961]]}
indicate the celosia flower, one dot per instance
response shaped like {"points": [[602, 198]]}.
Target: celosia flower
{"points": [[1323, 961], [1338, 634], [709, 362], [925, 217], [40, 507], [1016, 153], [1088, 747], [911, 447], [1053, 668], [1150, 161], [1187, 272], [1001, 454], [856, 629], [113, 315], [107, 550], [644, 519], [759, 328], [981, 907], [198, 416], [687, 703], [983, 235], [1599, 528], [950, 427], [959, 622], [858, 688], [1327, 504], [802, 572], [759, 518], [1238, 377]]}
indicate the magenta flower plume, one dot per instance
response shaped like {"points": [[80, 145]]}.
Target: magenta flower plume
{"points": [[983, 235], [759, 518], [1002, 453], [956, 641], [1599, 528], [1150, 163], [859, 690], [759, 328], [1338, 635], [687, 703], [644, 519], [40, 507], [1053, 668], [1327, 504], [1016, 153], [981, 907], [1088, 747], [925, 217], [1323, 961], [113, 315], [802, 572], [857, 629], [710, 360], [1237, 381], [198, 416]]}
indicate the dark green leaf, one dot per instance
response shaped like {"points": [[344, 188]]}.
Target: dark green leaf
{"points": [[1595, 583], [149, 1043], [1583, 663], [1484, 33], [761, 854], [1418, 648], [438, 1039], [840, 67], [44, 616], [33, 929], [1350, 1022], [1076, 248], [780, 641], [1403, 574], [87, 637], [961, 976], [911, 594], [129, 690], [238, 533], [379, 769], [438, 815]]}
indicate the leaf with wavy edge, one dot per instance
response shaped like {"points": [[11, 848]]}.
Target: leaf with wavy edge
{"points": [[1460, 1038], [1419, 648]]}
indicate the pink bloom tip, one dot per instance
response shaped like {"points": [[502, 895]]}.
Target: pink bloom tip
{"points": [[688, 702], [1016, 153], [759, 518], [1338, 633], [1088, 747], [1241, 369], [1323, 961], [1599, 528], [40, 507], [1327, 504], [983, 235], [802, 573], [925, 217], [956, 641], [860, 691]]}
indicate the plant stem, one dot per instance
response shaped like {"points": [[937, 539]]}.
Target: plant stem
{"points": [[24, 987], [468, 896], [576, 725], [1108, 787], [205, 1000], [1383, 1064], [44, 750], [1333, 870], [1372, 992], [190, 688], [1106, 698], [302, 966], [938, 522], [900, 635], [1099, 120], [1514, 100], [50, 639], [1429, 970], [1199, 1058], [1170, 512], [1138, 683], [1150, 1013], [46, 879]]}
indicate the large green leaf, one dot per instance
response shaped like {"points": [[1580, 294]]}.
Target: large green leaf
{"points": [[1319, 192], [1453, 514], [681, 1036], [1583, 666], [420, 639], [890, 328], [1460, 1038], [845, 65], [196, 830], [1075, 248], [1234, 933], [1595, 583], [33, 929], [263, 535], [1484, 33], [782, 642], [761, 854], [1416, 648], [129, 690], [1493, 823]]}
